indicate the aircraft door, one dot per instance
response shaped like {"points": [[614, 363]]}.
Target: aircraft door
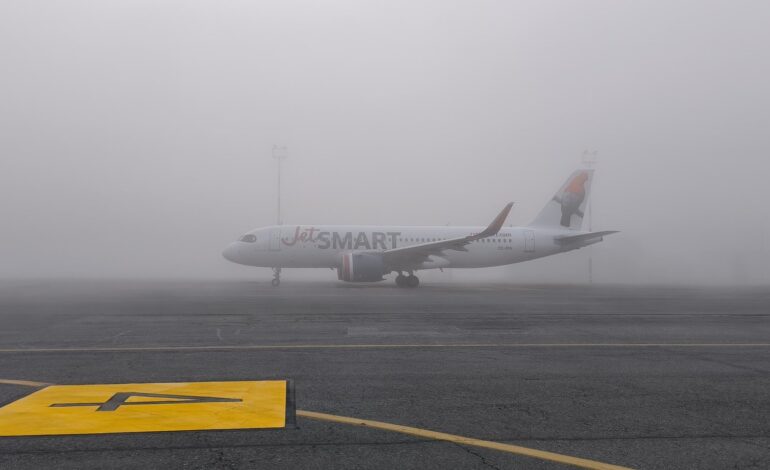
{"points": [[529, 241], [275, 239]]}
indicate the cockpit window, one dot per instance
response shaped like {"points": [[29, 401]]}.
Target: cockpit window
{"points": [[249, 238]]}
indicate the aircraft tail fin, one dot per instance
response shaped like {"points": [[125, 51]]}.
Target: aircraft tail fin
{"points": [[567, 207]]}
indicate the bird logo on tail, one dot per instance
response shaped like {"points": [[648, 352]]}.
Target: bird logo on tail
{"points": [[572, 197]]}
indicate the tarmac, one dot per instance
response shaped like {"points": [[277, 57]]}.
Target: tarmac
{"points": [[638, 377]]}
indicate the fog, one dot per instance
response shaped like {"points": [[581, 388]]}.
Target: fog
{"points": [[136, 136]]}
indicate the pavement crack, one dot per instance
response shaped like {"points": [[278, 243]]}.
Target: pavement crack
{"points": [[483, 459]]}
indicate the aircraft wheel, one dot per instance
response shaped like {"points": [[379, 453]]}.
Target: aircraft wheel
{"points": [[275, 282], [412, 281], [401, 280]]}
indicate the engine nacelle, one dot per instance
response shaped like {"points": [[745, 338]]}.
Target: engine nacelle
{"points": [[361, 267]]}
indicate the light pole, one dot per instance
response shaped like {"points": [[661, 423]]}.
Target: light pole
{"points": [[280, 153], [589, 160]]}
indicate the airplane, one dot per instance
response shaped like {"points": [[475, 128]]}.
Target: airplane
{"points": [[367, 253]]}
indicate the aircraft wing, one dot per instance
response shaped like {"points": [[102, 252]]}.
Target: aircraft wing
{"points": [[410, 257]]}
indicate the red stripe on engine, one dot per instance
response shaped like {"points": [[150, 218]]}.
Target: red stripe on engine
{"points": [[345, 267]]}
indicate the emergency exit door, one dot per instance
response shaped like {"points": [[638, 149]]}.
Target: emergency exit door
{"points": [[529, 241]]}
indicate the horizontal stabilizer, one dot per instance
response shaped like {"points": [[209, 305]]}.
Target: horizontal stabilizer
{"points": [[583, 238]]}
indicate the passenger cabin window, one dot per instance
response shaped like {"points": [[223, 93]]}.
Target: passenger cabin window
{"points": [[249, 238]]}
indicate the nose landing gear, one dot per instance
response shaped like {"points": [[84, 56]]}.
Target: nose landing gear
{"points": [[276, 277], [407, 281]]}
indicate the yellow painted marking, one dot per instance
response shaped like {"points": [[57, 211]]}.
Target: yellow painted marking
{"points": [[26, 383], [440, 436], [241, 405], [386, 346]]}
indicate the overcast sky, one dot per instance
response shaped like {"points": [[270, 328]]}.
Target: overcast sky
{"points": [[136, 136]]}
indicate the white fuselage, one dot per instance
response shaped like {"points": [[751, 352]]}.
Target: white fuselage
{"points": [[322, 246]]}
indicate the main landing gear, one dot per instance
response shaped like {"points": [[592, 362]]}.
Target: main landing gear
{"points": [[276, 277], [407, 281]]}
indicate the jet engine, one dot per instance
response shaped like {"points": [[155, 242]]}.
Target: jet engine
{"points": [[361, 267]]}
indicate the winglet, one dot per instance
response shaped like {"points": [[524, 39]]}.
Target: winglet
{"points": [[496, 224]]}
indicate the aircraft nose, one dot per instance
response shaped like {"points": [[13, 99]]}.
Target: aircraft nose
{"points": [[231, 252]]}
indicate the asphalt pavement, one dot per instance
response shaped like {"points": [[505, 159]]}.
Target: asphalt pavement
{"points": [[641, 377]]}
